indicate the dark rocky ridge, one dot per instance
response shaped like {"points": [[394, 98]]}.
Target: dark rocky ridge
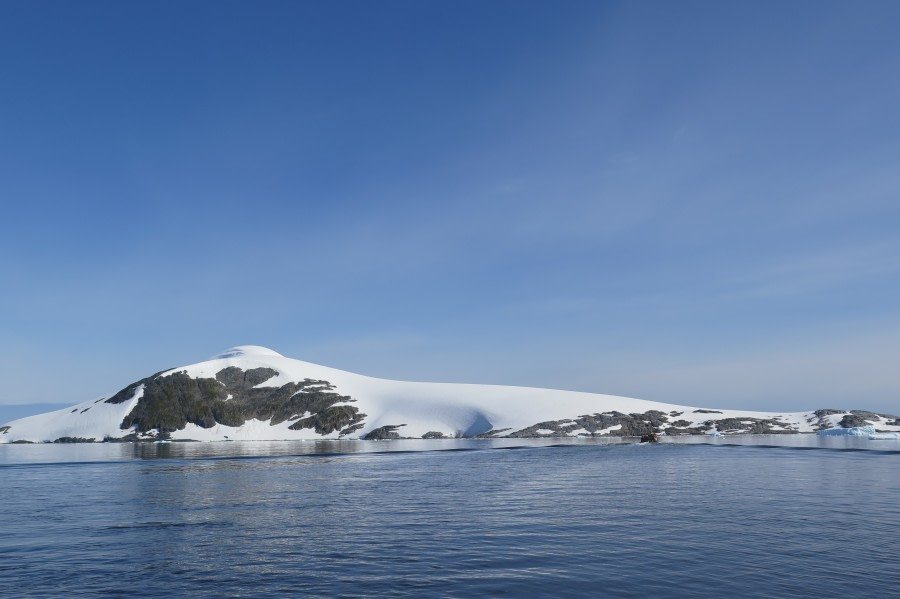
{"points": [[853, 418], [383, 432], [128, 392], [652, 421], [827, 412], [631, 425], [753, 426], [171, 402]]}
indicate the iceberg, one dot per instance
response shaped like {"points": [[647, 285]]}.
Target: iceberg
{"points": [[856, 431], [884, 436]]}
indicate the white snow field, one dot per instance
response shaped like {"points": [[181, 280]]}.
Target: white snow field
{"points": [[452, 409]]}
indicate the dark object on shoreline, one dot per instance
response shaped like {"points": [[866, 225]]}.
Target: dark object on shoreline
{"points": [[650, 438]]}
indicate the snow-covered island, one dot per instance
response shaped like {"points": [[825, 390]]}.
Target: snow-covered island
{"points": [[254, 393]]}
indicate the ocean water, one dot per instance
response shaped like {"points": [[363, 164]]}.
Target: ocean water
{"points": [[740, 517]]}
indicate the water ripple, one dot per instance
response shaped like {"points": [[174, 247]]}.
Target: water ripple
{"points": [[562, 520]]}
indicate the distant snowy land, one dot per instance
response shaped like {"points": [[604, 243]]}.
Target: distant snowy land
{"points": [[254, 393]]}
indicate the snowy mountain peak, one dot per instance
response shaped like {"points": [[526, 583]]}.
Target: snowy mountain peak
{"points": [[247, 350], [254, 393]]}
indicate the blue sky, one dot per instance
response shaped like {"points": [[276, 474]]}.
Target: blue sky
{"points": [[693, 202]]}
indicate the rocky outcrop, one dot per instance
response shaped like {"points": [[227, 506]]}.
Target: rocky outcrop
{"points": [[384, 432], [170, 402], [617, 424], [752, 426], [614, 424], [853, 421]]}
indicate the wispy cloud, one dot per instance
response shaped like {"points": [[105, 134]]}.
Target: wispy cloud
{"points": [[818, 270]]}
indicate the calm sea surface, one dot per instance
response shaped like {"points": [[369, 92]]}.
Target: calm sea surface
{"points": [[745, 517]]}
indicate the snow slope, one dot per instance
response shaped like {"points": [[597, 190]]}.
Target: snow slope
{"points": [[448, 408]]}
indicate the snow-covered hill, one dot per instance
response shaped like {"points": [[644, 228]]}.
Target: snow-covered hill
{"points": [[251, 392]]}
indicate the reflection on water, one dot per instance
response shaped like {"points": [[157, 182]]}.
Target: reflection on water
{"points": [[103, 452], [450, 518]]}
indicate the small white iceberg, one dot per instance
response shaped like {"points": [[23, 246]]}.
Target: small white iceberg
{"points": [[855, 431], [884, 436]]}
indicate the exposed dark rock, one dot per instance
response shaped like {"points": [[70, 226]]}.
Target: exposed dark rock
{"points": [[73, 440], [352, 428], [128, 392], [148, 437], [630, 425], [557, 428], [85, 410], [695, 430], [384, 432], [827, 412], [170, 402], [244, 379], [654, 417], [823, 420], [130, 438], [675, 414], [854, 420], [21, 442], [702, 411], [491, 434], [870, 415], [753, 426], [3, 430], [433, 435], [328, 420]]}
